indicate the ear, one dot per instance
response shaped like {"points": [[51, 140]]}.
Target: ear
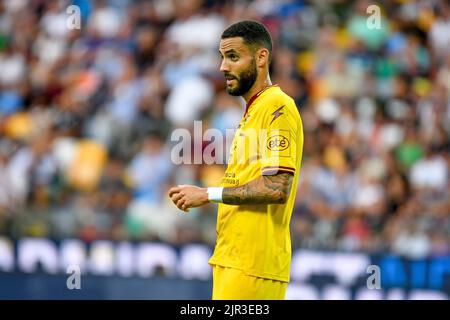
{"points": [[262, 57]]}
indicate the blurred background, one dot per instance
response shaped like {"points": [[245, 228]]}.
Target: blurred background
{"points": [[86, 117]]}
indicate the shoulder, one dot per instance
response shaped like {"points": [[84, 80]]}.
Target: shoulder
{"points": [[277, 100]]}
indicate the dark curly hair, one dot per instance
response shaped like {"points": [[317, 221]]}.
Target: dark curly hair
{"points": [[254, 34]]}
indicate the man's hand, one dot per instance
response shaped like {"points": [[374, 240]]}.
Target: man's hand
{"points": [[186, 196]]}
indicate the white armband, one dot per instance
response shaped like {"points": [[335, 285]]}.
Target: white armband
{"points": [[215, 194]]}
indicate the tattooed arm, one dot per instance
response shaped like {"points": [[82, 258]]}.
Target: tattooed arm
{"points": [[263, 190]]}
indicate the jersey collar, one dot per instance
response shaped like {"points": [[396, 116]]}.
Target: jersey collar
{"points": [[256, 95]]}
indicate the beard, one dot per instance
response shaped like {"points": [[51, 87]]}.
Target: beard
{"points": [[244, 79]]}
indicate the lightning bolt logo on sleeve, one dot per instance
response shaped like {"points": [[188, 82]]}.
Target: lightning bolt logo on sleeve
{"points": [[277, 113]]}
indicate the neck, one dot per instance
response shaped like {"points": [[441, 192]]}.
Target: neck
{"points": [[258, 86]]}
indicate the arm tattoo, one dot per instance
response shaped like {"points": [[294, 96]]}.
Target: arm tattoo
{"points": [[263, 190]]}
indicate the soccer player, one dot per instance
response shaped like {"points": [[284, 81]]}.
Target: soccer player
{"points": [[252, 256]]}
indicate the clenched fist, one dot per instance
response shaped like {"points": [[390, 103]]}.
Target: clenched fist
{"points": [[187, 196]]}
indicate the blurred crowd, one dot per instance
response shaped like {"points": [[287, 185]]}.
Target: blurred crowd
{"points": [[86, 116]]}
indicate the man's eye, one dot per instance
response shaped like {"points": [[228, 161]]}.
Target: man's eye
{"points": [[233, 57]]}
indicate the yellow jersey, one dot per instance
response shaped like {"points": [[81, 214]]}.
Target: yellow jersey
{"points": [[269, 140]]}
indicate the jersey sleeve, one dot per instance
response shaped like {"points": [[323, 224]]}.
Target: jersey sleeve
{"points": [[278, 145]]}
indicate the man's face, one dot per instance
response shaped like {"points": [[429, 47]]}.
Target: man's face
{"points": [[238, 65]]}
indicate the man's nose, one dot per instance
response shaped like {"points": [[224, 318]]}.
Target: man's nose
{"points": [[224, 67]]}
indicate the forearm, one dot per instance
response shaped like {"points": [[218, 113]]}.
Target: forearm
{"points": [[263, 190]]}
